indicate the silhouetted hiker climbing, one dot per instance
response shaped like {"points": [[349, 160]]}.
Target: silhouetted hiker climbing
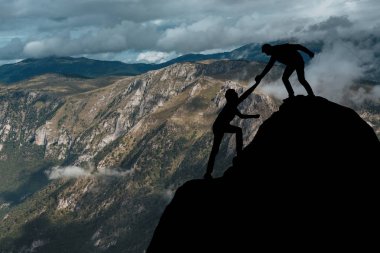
{"points": [[222, 125], [287, 54]]}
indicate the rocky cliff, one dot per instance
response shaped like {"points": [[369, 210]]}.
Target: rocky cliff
{"points": [[307, 181]]}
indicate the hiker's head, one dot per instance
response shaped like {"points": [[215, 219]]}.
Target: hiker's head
{"points": [[267, 49], [231, 95]]}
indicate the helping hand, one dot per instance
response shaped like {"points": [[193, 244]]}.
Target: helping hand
{"points": [[258, 78]]}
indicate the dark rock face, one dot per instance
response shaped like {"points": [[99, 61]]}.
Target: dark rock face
{"points": [[308, 180]]}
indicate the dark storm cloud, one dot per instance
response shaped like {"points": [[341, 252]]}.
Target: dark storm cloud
{"points": [[332, 23], [13, 50], [88, 27], [114, 39]]}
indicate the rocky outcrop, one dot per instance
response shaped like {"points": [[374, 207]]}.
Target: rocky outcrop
{"points": [[22, 112], [307, 181]]}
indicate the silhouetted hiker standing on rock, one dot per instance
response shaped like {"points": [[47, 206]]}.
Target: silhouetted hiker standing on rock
{"points": [[287, 54], [222, 125]]}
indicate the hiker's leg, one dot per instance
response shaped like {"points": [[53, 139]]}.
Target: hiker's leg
{"points": [[239, 137], [301, 78], [218, 136], [285, 79]]}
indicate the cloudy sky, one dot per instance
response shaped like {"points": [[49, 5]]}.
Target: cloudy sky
{"points": [[158, 30]]}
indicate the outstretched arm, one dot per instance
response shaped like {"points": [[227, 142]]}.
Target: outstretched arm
{"points": [[245, 116], [247, 93], [266, 69], [304, 49]]}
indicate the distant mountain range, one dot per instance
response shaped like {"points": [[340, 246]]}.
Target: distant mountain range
{"points": [[89, 68]]}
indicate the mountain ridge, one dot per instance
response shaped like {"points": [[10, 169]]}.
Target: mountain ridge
{"points": [[90, 68]]}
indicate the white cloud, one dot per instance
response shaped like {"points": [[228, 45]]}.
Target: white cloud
{"points": [[116, 26], [154, 57], [94, 41], [66, 172], [57, 172], [336, 69]]}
